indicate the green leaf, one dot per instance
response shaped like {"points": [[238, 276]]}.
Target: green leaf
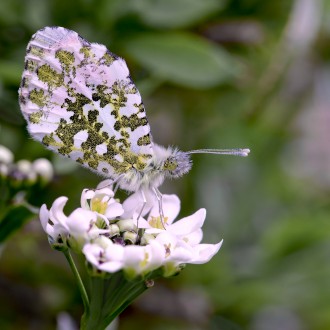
{"points": [[175, 13], [182, 58], [15, 217]]}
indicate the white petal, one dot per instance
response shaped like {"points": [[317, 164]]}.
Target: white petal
{"points": [[152, 230], [114, 252], [114, 210], [181, 255], [107, 191], [86, 195], [111, 266], [166, 238], [204, 252], [171, 208], [194, 238], [141, 223], [157, 254], [133, 254], [92, 251], [105, 219], [134, 203], [189, 224], [79, 221], [105, 183], [56, 211], [44, 217]]}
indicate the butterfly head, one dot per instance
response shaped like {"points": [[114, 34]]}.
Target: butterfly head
{"points": [[177, 164]]}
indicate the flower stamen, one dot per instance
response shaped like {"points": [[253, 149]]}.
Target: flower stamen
{"points": [[158, 222]]}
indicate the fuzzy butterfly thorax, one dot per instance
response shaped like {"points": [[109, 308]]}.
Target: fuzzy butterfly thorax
{"points": [[166, 163]]}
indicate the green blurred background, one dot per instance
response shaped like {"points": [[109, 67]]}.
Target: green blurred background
{"points": [[213, 74]]}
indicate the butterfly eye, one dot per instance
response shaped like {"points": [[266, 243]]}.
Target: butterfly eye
{"points": [[170, 165]]}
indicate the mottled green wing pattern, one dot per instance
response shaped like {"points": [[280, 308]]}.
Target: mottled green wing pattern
{"points": [[79, 101]]}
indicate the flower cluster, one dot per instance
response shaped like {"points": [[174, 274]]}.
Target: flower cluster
{"points": [[24, 173], [131, 236]]}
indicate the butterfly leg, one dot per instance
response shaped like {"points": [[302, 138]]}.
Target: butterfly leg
{"points": [[104, 184], [159, 197], [111, 183], [116, 183], [143, 206]]}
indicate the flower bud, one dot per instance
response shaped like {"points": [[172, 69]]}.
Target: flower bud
{"points": [[114, 230], [6, 156], [4, 170], [126, 225], [130, 237], [147, 238], [44, 168], [25, 171]]}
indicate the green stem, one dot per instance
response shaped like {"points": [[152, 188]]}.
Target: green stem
{"points": [[80, 283], [109, 297], [124, 304], [93, 320]]}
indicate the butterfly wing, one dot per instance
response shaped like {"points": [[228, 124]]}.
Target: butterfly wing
{"points": [[79, 100]]}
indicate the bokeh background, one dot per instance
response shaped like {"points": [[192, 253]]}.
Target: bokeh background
{"points": [[213, 74]]}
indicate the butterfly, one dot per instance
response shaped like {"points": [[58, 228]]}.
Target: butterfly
{"points": [[79, 100]]}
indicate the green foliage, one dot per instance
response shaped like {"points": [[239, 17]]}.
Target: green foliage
{"points": [[212, 74], [182, 59], [14, 219], [175, 13]]}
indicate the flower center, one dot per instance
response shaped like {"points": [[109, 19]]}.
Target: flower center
{"points": [[156, 222], [167, 250], [99, 206], [144, 262]]}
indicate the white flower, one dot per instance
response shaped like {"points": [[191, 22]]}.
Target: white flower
{"points": [[102, 202], [107, 233], [52, 223], [79, 227], [104, 254], [140, 260], [180, 239], [179, 252]]}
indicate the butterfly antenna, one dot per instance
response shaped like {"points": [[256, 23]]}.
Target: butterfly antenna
{"points": [[234, 152]]}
